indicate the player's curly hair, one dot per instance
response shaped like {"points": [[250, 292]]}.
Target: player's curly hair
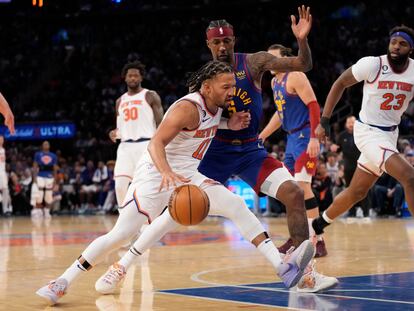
{"points": [[219, 23], [207, 71], [133, 65], [284, 51], [403, 28]]}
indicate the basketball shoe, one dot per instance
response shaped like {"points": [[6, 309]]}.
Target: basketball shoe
{"points": [[108, 282], [312, 281], [295, 261], [321, 250], [53, 291]]}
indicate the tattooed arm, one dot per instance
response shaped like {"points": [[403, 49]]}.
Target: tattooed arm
{"points": [[262, 61]]}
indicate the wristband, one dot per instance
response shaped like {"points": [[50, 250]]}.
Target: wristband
{"points": [[325, 125]]}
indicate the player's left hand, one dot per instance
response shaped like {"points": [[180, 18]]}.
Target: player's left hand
{"points": [[302, 28], [313, 148], [239, 120]]}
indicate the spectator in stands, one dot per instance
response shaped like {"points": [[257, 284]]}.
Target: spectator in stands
{"points": [[388, 196]]}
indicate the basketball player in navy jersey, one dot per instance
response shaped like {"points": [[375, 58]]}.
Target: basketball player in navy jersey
{"points": [[241, 153], [298, 113]]}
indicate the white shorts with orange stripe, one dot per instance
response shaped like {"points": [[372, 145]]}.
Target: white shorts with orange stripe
{"points": [[376, 147], [144, 192], [127, 158]]}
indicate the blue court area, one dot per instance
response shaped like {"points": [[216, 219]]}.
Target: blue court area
{"points": [[371, 292]]}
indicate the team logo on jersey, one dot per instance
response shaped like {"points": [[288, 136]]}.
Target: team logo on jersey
{"points": [[385, 69], [204, 118], [240, 75], [46, 159], [280, 102]]}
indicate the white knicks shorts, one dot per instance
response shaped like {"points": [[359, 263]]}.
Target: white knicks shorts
{"points": [[127, 158], [143, 191], [376, 147]]}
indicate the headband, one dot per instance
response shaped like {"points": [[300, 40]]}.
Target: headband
{"points": [[219, 32], [405, 36]]}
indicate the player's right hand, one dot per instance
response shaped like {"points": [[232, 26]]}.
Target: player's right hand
{"points": [[171, 179], [320, 133], [113, 135]]}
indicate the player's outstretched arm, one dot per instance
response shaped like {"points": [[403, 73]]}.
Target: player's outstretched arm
{"points": [[345, 80], [262, 61], [183, 116], [7, 113]]}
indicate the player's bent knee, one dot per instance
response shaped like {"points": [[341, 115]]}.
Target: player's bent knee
{"points": [[290, 193]]}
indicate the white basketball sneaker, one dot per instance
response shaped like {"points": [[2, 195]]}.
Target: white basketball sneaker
{"points": [[312, 281], [108, 282], [53, 291]]}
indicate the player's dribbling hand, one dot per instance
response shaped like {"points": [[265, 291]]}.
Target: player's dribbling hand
{"points": [[313, 148], [171, 179], [320, 133], [113, 134], [239, 120], [302, 28]]}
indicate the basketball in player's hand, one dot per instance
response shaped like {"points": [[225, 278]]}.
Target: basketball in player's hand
{"points": [[188, 205]]}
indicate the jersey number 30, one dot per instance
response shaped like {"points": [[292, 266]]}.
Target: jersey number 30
{"points": [[389, 98], [130, 114]]}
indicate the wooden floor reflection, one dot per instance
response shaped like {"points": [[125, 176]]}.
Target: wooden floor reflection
{"points": [[208, 255]]}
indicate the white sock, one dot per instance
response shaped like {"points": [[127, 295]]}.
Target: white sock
{"points": [[269, 250], [327, 219], [129, 257], [71, 273], [311, 231]]}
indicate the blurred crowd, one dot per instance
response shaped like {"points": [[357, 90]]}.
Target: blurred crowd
{"points": [[63, 62]]}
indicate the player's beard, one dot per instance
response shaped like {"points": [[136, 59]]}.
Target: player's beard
{"points": [[400, 61], [224, 58]]}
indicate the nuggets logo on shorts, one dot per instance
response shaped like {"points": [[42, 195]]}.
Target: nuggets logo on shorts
{"points": [[310, 165]]}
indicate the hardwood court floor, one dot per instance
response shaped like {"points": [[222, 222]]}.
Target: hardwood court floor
{"points": [[208, 267]]}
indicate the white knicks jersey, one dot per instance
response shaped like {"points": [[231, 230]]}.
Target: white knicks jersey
{"points": [[135, 117], [186, 150], [2, 160], [386, 94]]}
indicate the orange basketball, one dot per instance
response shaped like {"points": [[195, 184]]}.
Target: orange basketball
{"points": [[188, 205]]}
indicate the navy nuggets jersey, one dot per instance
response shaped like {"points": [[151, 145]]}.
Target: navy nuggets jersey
{"points": [[291, 109], [246, 97], [46, 162]]}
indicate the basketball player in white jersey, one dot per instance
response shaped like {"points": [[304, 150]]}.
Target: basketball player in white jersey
{"points": [[7, 114], [388, 89], [4, 181], [173, 157], [139, 112]]}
